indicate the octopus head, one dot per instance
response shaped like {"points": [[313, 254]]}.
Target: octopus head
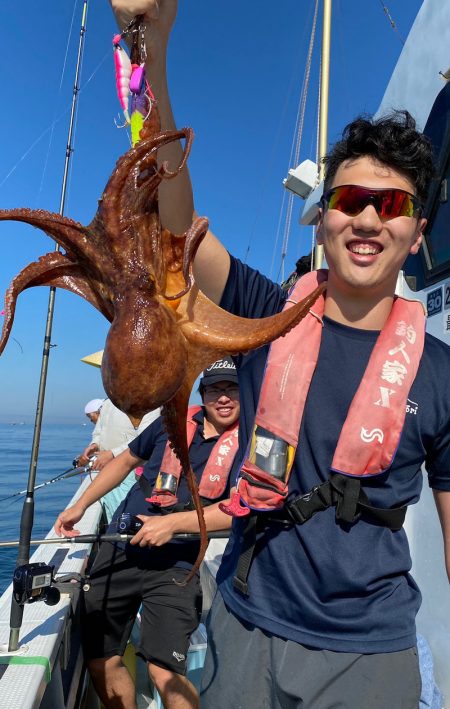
{"points": [[140, 371]]}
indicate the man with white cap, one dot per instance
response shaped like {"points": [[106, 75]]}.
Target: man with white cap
{"points": [[92, 409], [112, 433]]}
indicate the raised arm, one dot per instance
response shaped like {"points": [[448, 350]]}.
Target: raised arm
{"points": [[111, 476], [212, 262], [442, 500]]}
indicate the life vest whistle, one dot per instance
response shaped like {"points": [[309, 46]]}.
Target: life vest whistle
{"points": [[234, 507]]}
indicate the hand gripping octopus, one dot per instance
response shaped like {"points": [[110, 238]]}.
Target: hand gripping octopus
{"points": [[164, 330]]}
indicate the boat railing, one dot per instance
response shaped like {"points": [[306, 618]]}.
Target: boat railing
{"points": [[34, 675]]}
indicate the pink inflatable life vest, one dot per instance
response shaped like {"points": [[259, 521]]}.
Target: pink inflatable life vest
{"points": [[215, 474], [371, 433]]}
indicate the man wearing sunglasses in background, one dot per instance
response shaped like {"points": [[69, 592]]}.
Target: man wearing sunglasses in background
{"points": [[316, 607]]}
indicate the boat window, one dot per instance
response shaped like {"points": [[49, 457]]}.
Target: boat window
{"points": [[437, 236], [434, 263]]}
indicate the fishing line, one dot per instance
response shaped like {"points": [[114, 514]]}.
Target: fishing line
{"points": [[49, 127], [69, 473], [67, 46], [44, 170], [74, 139], [18, 343]]}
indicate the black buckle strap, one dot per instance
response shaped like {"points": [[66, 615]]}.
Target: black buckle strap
{"points": [[348, 494], [245, 558], [351, 502], [302, 508], [340, 491], [393, 517]]}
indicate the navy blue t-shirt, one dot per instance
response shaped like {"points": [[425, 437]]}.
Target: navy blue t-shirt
{"points": [[150, 446], [339, 588]]}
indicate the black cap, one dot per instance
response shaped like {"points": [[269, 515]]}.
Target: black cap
{"points": [[222, 370]]}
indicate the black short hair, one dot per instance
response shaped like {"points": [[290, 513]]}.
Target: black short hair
{"points": [[392, 139], [302, 266]]}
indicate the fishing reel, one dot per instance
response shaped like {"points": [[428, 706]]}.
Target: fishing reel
{"points": [[33, 582], [128, 523], [89, 465]]}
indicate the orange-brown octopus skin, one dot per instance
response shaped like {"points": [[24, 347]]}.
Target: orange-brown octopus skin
{"points": [[164, 330]]}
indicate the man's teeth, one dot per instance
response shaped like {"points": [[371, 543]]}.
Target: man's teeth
{"points": [[364, 250]]}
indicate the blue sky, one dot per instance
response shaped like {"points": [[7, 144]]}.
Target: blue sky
{"points": [[236, 76]]}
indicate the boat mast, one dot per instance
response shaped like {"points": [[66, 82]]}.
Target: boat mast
{"points": [[323, 115], [26, 521]]}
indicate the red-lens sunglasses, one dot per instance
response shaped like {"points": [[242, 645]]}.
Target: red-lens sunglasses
{"points": [[388, 203]]}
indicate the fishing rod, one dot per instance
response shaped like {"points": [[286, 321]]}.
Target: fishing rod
{"points": [[93, 538], [69, 473], [27, 517]]}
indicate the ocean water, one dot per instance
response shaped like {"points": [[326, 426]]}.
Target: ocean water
{"points": [[60, 444]]}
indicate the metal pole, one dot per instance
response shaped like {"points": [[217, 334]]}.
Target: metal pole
{"points": [[26, 521], [324, 93]]}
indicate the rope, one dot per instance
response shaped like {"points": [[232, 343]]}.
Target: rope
{"points": [[295, 152], [391, 21], [277, 235], [271, 160]]}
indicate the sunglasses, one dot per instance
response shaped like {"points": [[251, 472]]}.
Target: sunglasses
{"points": [[213, 392], [388, 203]]}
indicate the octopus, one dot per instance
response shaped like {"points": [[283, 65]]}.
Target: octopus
{"points": [[164, 330]]}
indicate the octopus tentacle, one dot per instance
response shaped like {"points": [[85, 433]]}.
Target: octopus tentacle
{"points": [[205, 323], [71, 235], [118, 185], [193, 238], [174, 416], [188, 135], [73, 280], [164, 139], [139, 190], [54, 269]]}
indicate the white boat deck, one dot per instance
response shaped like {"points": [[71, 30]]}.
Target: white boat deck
{"points": [[44, 630], [36, 680], [31, 678]]}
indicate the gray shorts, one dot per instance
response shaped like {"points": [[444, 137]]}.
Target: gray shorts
{"points": [[246, 668]]}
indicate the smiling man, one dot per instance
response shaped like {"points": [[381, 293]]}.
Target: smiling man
{"points": [[317, 605], [144, 571], [316, 576]]}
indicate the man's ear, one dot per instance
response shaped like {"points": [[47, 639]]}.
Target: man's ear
{"points": [[320, 228], [418, 237]]}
